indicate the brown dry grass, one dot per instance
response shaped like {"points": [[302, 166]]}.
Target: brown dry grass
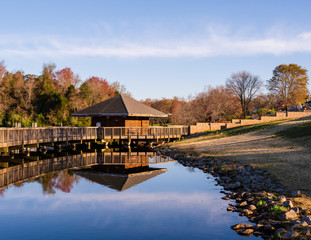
{"points": [[287, 160]]}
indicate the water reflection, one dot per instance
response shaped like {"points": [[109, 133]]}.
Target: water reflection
{"points": [[121, 181], [117, 170], [63, 181], [172, 204]]}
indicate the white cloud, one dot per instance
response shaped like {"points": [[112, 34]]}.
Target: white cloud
{"points": [[214, 44]]}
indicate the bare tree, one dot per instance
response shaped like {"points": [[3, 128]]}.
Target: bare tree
{"points": [[29, 86], [244, 86], [121, 89]]}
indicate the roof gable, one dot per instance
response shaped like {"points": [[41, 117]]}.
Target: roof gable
{"points": [[119, 106]]}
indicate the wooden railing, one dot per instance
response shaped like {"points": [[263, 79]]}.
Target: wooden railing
{"points": [[142, 132], [25, 136]]}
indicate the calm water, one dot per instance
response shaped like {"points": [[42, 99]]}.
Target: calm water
{"points": [[180, 203]]}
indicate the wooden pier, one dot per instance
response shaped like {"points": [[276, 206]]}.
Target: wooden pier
{"points": [[11, 137]]}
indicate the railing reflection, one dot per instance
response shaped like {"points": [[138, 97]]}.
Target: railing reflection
{"points": [[53, 173]]}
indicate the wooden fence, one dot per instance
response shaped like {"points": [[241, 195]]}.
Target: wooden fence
{"points": [[25, 136]]}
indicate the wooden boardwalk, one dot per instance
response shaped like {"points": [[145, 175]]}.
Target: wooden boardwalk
{"points": [[10, 137], [26, 171]]}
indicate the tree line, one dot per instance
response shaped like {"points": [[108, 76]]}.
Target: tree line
{"points": [[242, 96], [50, 98]]}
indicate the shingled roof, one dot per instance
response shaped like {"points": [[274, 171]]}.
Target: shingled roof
{"points": [[119, 106]]}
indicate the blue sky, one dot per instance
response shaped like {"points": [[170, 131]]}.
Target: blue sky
{"points": [[156, 48]]}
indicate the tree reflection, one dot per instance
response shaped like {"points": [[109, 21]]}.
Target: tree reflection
{"points": [[2, 191], [62, 181]]}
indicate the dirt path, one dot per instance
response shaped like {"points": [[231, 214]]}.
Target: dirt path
{"points": [[286, 160]]}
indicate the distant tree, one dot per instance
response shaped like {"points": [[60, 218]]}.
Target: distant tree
{"points": [[164, 105], [100, 90], [289, 83], [66, 78], [182, 112], [120, 89], [48, 101], [244, 86], [48, 70], [222, 104], [29, 86], [50, 98], [2, 70]]}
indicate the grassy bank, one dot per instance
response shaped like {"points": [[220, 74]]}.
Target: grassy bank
{"points": [[283, 150], [230, 132], [299, 131]]}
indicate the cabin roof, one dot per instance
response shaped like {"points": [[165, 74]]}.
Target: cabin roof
{"points": [[119, 106]]}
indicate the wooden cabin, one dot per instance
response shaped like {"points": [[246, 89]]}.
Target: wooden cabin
{"points": [[120, 111]]}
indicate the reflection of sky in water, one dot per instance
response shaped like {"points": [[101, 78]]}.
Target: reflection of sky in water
{"points": [[178, 204]]}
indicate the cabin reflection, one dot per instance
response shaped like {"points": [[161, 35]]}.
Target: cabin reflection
{"points": [[117, 170], [121, 180]]}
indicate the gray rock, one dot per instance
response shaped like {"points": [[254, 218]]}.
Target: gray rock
{"points": [[296, 209], [307, 232], [244, 194], [234, 185], [292, 227], [288, 203], [281, 198], [246, 181], [248, 168], [269, 228], [247, 212], [269, 195], [229, 209], [252, 207], [279, 231], [303, 224], [243, 204], [242, 226], [250, 199], [288, 215], [295, 193], [289, 235], [306, 219], [246, 232]]}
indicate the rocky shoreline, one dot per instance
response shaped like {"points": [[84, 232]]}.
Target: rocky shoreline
{"points": [[266, 203]]}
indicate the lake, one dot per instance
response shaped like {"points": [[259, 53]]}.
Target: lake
{"points": [[162, 200]]}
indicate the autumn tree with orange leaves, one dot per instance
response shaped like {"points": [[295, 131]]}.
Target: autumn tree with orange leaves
{"points": [[289, 84], [65, 78], [50, 98]]}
